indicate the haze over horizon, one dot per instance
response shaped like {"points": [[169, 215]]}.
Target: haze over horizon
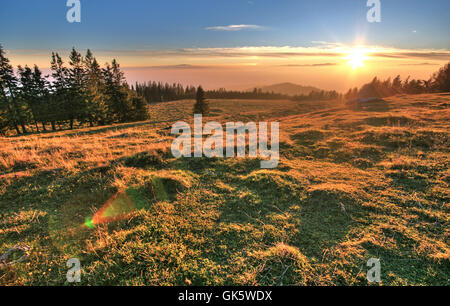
{"points": [[237, 44]]}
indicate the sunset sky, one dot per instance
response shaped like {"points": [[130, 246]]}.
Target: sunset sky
{"points": [[237, 43]]}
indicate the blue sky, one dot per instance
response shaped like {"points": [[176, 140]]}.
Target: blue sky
{"points": [[151, 24], [236, 43]]}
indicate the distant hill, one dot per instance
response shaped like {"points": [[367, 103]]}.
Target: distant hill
{"points": [[288, 89]]}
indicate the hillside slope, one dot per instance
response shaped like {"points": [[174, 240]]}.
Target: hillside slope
{"points": [[352, 184]]}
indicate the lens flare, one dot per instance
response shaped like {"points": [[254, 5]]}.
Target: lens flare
{"points": [[124, 202], [115, 209]]}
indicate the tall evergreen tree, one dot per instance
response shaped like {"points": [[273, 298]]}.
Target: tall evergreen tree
{"points": [[77, 102], [397, 84], [201, 105], [97, 109], [119, 106], [41, 91], [28, 95], [441, 79], [10, 103], [140, 108], [60, 91]]}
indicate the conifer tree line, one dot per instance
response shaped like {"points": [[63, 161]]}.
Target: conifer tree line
{"points": [[256, 94], [77, 93], [319, 95], [438, 82], [154, 92]]}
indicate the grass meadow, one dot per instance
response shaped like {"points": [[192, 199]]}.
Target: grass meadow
{"points": [[352, 184]]}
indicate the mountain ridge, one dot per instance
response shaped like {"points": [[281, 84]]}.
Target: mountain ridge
{"points": [[287, 88]]}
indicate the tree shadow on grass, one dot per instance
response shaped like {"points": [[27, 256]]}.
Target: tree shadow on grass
{"points": [[92, 131], [325, 217], [400, 267], [409, 181], [252, 217]]}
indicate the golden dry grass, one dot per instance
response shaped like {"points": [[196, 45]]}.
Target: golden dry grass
{"points": [[352, 184]]}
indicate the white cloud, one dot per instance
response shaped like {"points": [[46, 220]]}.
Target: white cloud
{"points": [[235, 27], [324, 54]]}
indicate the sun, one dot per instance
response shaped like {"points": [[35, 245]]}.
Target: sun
{"points": [[356, 58]]}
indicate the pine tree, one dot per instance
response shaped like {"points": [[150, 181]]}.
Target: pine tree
{"points": [[60, 91], [397, 84], [201, 105], [77, 105], [441, 79], [10, 103], [140, 108], [119, 106], [96, 109], [28, 95], [34, 93], [41, 91]]}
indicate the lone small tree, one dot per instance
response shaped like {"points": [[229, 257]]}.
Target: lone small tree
{"points": [[201, 106]]}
